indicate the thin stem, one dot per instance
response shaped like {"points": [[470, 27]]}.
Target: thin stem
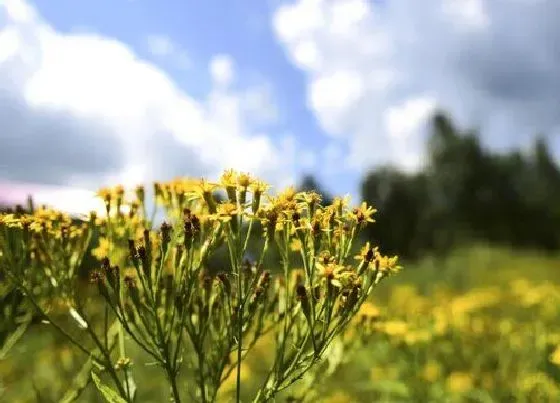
{"points": [[239, 343], [174, 389], [201, 379], [106, 326]]}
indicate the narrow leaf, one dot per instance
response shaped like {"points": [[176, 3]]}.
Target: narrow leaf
{"points": [[12, 339], [109, 394]]}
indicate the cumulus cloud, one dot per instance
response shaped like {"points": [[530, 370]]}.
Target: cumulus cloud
{"points": [[221, 68], [376, 71], [83, 110]]}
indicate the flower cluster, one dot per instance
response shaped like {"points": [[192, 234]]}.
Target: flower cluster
{"points": [[230, 264]]}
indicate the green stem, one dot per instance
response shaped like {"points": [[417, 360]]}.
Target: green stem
{"points": [[201, 375], [239, 342]]}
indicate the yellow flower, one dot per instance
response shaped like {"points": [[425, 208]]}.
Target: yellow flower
{"points": [[339, 203], [295, 245], [244, 181], [325, 257], [103, 249], [140, 193], [334, 274], [312, 198], [369, 310], [259, 186], [105, 194], [288, 195], [395, 328], [459, 382], [388, 265], [228, 178], [11, 221], [225, 212], [432, 371], [204, 187], [367, 253], [363, 214], [119, 192], [417, 336], [555, 356]]}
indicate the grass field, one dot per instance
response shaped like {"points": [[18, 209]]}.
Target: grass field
{"points": [[482, 325]]}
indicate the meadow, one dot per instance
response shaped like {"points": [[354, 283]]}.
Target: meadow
{"points": [[481, 324]]}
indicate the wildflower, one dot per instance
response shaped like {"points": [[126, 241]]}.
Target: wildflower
{"points": [[98, 277], [106, 194], [312, 199], [158, 193], [555, 356], [326, 258], [432, 371], [362, 214], [459, 382], [286, 201], [191, 226], [386, 266], [223, 277], [123, 363], [165, 234], [395, 328], [204, 190], [229, 181], [130, 283], [334, 274], [269, 218], [367, 253], [295, 245], [369, 310], [257, 188], [140, 194], [244, 181], [297, 276], [11, 221], [226, 211], [102, 249], [339, 204]]}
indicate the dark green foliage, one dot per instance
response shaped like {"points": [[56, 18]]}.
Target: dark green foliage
{"points": [[467, 193]]}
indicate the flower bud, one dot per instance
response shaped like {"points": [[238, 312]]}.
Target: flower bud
{"points": [[165, 235], [225, 283], [133, 291]]}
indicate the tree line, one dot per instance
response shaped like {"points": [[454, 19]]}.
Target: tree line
{"points": [[465, 193]]}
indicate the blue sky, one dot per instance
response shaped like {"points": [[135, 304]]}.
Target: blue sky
{"points": [[96, 92]]}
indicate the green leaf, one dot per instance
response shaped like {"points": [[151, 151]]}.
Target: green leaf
{"points": [[12, 339], [79, 384], [131, 385], [109, 394]]}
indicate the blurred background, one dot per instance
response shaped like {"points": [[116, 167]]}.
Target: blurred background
{"points": [[443, 114]]}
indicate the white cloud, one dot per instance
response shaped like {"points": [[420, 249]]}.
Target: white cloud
{"points": [[471, 13], [403, 124], [376, 70], [83, 110], [221, 68], [259, 105]]}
